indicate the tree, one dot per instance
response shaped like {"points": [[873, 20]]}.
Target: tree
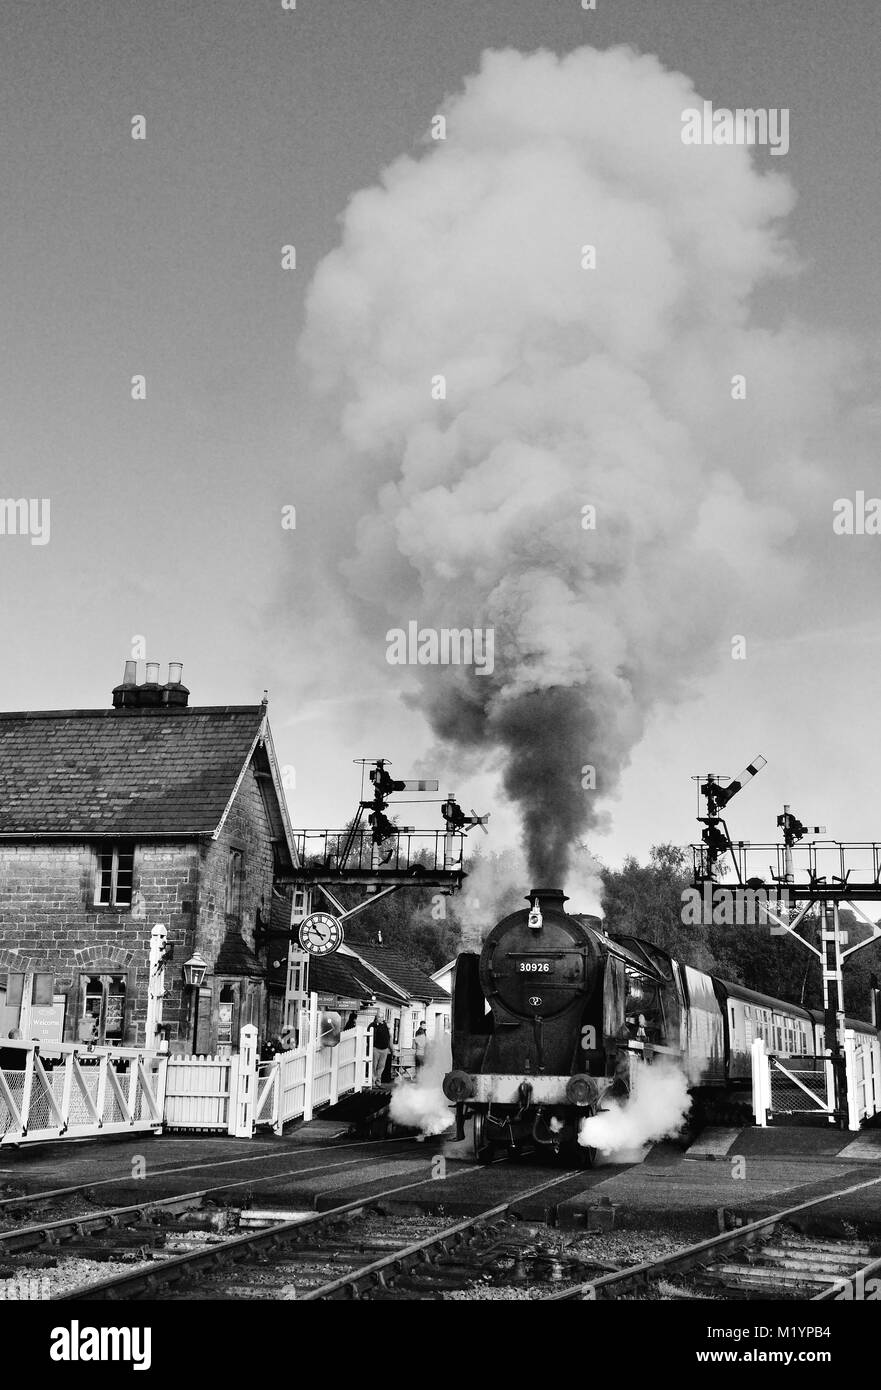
{"points": [[647, 899]]}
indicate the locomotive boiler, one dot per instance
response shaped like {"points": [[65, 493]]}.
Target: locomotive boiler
{"points": [[553, 1014]]}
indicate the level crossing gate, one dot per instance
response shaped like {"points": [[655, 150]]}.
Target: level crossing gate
{"points": [[68, 1091], [73, 1091], [790, 1086]]}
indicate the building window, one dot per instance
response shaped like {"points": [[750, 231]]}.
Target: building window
{"points": [[234, 874], [225, 1020], [113, 881], [104, 1001]]}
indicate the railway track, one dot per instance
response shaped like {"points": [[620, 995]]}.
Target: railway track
{"points": [[764, 1259], [144, 1227], [350, 1251]]}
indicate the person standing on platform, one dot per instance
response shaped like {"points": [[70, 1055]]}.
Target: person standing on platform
{"points": [[382, 1046], [420, 1043]]}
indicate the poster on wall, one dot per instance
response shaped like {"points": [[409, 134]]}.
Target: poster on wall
{"points": [[47, 1020], [224, 1023]]}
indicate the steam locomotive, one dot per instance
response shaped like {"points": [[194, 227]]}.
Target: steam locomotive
{"points": [[548, 1019]]}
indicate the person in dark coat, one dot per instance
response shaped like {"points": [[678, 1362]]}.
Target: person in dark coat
{"points": [[382, 1046]]}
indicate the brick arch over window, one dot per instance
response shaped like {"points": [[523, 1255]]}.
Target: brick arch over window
{"points": [[103, 958], [9, 960]]}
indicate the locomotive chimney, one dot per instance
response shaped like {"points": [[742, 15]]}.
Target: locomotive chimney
{"points": [[548, 898]]}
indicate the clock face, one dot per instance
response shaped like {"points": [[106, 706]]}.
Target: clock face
{"points": [[320, 934]]}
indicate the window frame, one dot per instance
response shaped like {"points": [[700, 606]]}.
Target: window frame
{"points": [[114, 850], [106, 980], [235, 880]]}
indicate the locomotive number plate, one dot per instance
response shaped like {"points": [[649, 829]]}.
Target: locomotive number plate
{"points": [[534, 967]]}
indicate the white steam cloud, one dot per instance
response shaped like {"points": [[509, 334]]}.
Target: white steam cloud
{"points": [[421, 1104], [566, 388], [655, 1109]]}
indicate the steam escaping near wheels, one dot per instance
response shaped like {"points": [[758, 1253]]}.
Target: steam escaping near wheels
{"points": [[421, 1104], [656, 1108]]}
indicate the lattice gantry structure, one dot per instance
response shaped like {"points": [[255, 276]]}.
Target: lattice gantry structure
{"points": [[793, 881]]}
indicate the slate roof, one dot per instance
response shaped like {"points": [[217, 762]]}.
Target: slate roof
{"points": [[122, 772], [235, 957], [349, 978], [399, 970]]}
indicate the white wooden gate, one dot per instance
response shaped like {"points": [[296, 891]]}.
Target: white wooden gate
{"points": [[806, 1085], [200, 1092], [295, 1083], [68, 1091], [863, 1055]]}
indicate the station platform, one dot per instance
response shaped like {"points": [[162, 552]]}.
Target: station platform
{"points": [[727, 1177]]}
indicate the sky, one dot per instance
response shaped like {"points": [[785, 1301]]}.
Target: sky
{"points": [[163, 257]]}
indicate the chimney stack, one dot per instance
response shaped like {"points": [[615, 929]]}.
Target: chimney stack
{"points": [[175, 692], [129, 695]]}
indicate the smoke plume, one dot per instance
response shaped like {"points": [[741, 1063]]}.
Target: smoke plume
{"points": [[565, 388], [655, 1109]]}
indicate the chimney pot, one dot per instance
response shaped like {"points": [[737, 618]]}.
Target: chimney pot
{"points": [[126, 694]]}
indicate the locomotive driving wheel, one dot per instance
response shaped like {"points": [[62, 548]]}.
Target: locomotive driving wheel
{"points": [[483, 1148]]}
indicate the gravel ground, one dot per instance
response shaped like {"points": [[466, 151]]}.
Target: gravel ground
{"points": [[601, 1251]]}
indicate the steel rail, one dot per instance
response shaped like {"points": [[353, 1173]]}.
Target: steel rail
{"points": [[55, 1232], [704, 1252], [421, 1251], [180, 1267]]}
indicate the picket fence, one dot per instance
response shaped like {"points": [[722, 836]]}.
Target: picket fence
{"points": [[112, 1090], [238, 1094]]}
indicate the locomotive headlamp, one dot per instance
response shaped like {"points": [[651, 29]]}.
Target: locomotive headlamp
{"points": [[535, 917], [581, 1090], [458, 1085]]}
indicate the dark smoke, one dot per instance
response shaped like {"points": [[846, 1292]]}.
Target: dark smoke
{"points": [[548, 737]]}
